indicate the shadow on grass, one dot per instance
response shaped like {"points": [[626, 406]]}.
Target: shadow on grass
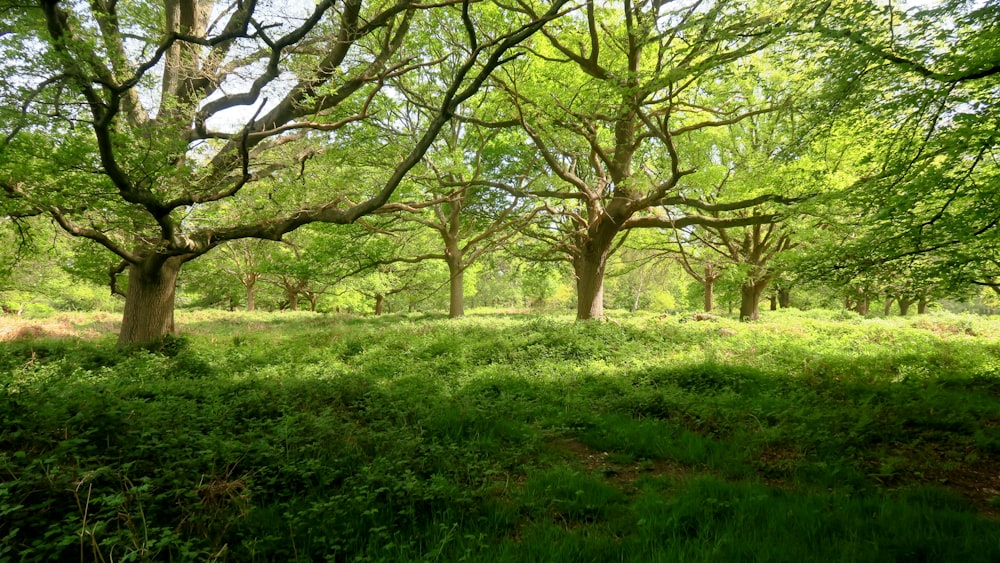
{"points": [[534, 440]]}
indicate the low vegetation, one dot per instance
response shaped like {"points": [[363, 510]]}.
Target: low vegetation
{"points": [[816, 436]]}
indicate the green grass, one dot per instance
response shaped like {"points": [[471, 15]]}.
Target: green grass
{"points": [[299, 437]]}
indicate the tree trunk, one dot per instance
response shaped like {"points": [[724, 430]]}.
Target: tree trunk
{"points": [[863, 305], [589, 269], [750, 293], [313, 300], [251, 294], [456, 300], [784, 297], [888, 305], [922, 305], [774, 302], [638, 294], [904, 305], [379, 301], [149, 302], [589, 288]]}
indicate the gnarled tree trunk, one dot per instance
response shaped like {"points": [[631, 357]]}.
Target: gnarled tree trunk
{"points": [[589, 265], [589, 271], [750, 293], [149, 301], [863, 304], [904, 305]]}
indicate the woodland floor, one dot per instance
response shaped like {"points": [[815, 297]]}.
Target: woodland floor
{"points": [[805, 436]]}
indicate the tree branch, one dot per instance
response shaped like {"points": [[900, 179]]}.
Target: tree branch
{"points": [[698, 220]]}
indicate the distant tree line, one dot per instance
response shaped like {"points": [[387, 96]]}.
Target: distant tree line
{"points": [[362, 156]]}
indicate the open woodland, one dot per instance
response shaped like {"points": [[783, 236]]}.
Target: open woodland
{"points": [[731, 272]]}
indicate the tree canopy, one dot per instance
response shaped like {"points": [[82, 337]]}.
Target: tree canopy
{"points": [[858, 133], [159, 130]]}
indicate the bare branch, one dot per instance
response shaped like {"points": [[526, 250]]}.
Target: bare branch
{"points": [[731, 206], [113, 272], [990, 68], [92, 234], [698, 220]]}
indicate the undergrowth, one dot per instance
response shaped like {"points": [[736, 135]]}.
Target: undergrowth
{"points": [[506, 438]]}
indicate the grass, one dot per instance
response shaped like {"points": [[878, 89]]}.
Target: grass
{"points": [[299, 437]]}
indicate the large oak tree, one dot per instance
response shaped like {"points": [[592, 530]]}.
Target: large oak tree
{"points": [[611, 102], [131, 120]]}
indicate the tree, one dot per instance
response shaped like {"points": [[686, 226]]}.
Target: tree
{"points": [[926, 116], [139, 120], [752, 250], [682, 246], [313, 259], [610, 101], [244, 260], [387, 280], [705, 271], [466, 237], [767, 152], [472, 210], [471, 215]]}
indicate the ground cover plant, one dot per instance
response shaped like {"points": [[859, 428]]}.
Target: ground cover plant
{"points": [[303, 437]]}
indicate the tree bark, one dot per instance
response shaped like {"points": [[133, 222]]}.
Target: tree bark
{"points": [[638, 294], [863, 305], [784, 297], [904, 305], [149, 302], [379, 301], [888, 305], [456, 288], [750, 293], [589, 271], [251, 294], [774, 302], [589, 266], [922, 305]]}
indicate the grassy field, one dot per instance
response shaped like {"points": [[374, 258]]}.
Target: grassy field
{"points": [[298, 437]]}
